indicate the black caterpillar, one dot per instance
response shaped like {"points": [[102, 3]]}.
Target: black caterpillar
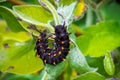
{"points": [[59, 51]]}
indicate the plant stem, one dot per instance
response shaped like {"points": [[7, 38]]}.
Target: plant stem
{"points": [[45, 75], [53, 11], [89, 17], [97, 7]]}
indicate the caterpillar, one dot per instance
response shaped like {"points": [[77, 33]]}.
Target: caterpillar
{"points": [[59, 50]]}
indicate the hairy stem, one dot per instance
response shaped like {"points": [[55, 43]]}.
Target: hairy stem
{"points": [[52, 9], [89, 17]]}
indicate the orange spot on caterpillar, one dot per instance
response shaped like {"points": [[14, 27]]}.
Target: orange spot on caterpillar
{"points": [[36, 51], [62, 42], [40, 46], [43, 50], [45, 61], [62, 48], [39, 40], [59, 52], [54, 54], [38, 56], [48, 54], [54, 63], [70, 42], [48, 47], [63, 59]]}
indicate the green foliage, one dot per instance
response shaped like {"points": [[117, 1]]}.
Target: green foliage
{"points": [[18, 58], [12, 22], [109, 12], [78, 61], [54, 71], [67, 12], [7, 34], [33, 14], [63, 2], [99, 38], [88, 58], [36, 15]]}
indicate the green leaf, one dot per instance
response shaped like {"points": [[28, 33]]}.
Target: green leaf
{"points": [[66, 2], [90, 76], [111, 11], [108, 64], [39, 28], [36, 15], [33, 14], [69, 73], [8, 76], [11, 20], [67, 12], [99, 38], [98, 63], [54, 71], [19, 58], [6, 34], [78, 61]]}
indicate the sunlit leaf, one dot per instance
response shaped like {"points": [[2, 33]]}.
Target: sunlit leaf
{"points": [[99, 38], [19, 58], [7, 34], [33, 14], [36, 15]]}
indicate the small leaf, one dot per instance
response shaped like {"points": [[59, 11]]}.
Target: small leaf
{"points": [[78, 61], [99, 38], [12, 22], [90, 76], [55, 71], [108, 64]]}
